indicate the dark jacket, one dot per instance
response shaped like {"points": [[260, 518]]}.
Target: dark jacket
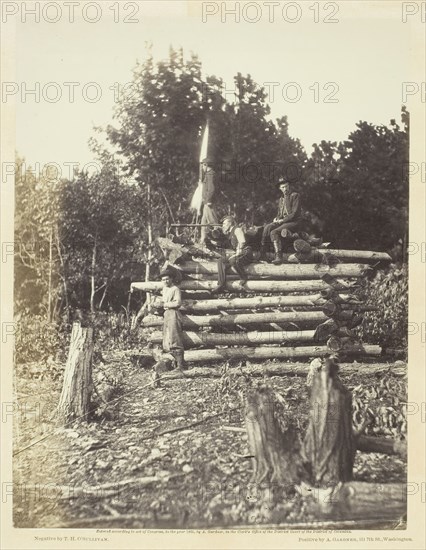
{"points": [[208, 178], [290, 208]]}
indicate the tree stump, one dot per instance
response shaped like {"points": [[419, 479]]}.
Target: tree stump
{"points": [[74, 402], [329, 446], [273, 440], [319, 470]]}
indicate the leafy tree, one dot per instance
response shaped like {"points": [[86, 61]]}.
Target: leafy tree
{"points": [[360, 188], [36, 257], [377, 186], [101, 221], [158, 133]]}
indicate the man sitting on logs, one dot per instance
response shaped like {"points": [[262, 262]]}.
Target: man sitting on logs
{"points": [[243, 253], [286, 222], [172, 326]]}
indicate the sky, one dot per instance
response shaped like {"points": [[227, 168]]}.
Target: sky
{"points": [[325, 77]]}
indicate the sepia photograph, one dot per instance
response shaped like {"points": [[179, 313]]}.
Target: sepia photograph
{"points": [[213, 274]]}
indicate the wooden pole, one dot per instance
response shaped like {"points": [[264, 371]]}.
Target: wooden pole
{"points": [[264, 352], [192, 339], [74, 402], [195, 321], [149, 258], [284, 271], [251, 286]]}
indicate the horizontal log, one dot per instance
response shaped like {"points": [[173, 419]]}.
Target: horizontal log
{"points": [[234, 286], [283, 271], [192, 339], [195, 225], [322, 524], [358, 501], [370, 444], [265, 352], [257, 302], [272, 368], [356, 255], [193, 321]]}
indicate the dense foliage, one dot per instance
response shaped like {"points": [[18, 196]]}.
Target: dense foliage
{"points": [[388, 291], [81, 242]]}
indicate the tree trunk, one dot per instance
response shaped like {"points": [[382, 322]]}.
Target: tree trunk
{"points": [[284, 271], [49, 294], [260, 353], [234, 286], [193, 339], [196, 321], [74, 402], [103, 295], [149, 258], [63, 275], [92, 278]]}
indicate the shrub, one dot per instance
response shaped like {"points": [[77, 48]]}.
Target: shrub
{"points": [[388, 291], [38, 340]]}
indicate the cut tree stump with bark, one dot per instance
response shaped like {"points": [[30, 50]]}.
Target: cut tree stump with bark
{"points": [[320, 469], [74, 402], [329, 446], [272, 438]]}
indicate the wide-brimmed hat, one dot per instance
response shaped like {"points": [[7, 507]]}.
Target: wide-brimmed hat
{"points": [[282, 180], [171, 271]]}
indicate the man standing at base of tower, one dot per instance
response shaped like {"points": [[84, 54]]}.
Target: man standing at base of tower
{"points": [[172, 326]]}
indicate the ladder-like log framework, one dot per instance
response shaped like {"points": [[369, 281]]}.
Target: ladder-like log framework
{"points": [[282, 311]]}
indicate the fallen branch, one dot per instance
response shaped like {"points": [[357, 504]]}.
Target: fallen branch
{"points": [[186, 426]]}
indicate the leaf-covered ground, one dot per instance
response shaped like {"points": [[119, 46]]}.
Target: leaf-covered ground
{"points": [[134, 466]]}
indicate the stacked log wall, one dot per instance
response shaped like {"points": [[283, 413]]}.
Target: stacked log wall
{"points": [[282, 311]]}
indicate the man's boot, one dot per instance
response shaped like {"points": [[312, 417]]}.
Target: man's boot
{"points": [[278, 255], [262, 251], [180, 360]]}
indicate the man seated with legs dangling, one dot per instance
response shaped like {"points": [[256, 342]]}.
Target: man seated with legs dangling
{"points": [[242, 257], [288, 220]]}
